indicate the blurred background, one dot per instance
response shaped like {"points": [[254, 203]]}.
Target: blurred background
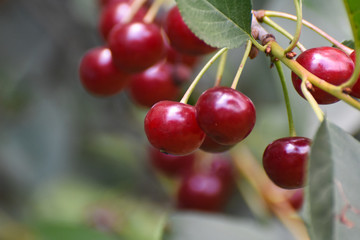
{"points": [[72, 164]]}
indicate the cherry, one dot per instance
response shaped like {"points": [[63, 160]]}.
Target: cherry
{"points": [[114, 14], [328, 63], [171, 165], [98, 73], [355, 90], [211, 146], [222, 167], [172, 127], [225, 115], [297, 198], [181, 37], [154, 84], [136, 46], [175, 57], [201, 191], [285, 160]]}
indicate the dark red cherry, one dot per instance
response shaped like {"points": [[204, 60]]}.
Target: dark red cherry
{"points": [[221, 166], [355, 90], [99, 75], [172, 128], [285, 160], [202, 191], [225, 115], [176, 57], [181, 37], [211, 146], [154, 84], [297, 198], [328, 63], [114, 14], [136, 46], [171, 165], [104, 3]]}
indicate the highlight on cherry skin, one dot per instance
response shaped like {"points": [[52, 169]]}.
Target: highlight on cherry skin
{"points": [[172, 127], [285, 160], [328, 63]]}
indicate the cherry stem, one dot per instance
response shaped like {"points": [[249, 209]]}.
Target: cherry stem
{"points": [[278, 52], [153, 10], [221, 68], [280, 71], [242, 64], [314, 105], [191, 88], [344, 48], [135, 6], [298, 6], [281, 30]]}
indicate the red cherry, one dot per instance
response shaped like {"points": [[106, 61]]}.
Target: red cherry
{"points": [[328, 63], [181, 37], [222, 167], [136, 46], [202, 191], [104, 3], [285, 160], [172, 127], [175, 57], [153, 85], [225, 115], [297, 198], [211, 146], [355, 90], [171, 165], [114, 14], [99, 75]]}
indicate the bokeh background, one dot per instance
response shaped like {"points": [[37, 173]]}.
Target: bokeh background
{"points": [[72, 164]]}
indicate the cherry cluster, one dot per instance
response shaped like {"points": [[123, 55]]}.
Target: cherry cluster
{"points": [[204, 184], [152, 59]]}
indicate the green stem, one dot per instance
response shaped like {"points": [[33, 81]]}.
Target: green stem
{"points": [[191, 88], [280, 71], [298, 6], [151, 13], [242, 64], [221, 68], [278, 52], [344, 48], [135, 6], [281, 30], [314, 105]]}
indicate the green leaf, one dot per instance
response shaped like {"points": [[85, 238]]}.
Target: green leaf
{"points": [[220, 23], [196, 226], [353, 10], [349, 43], [333, 178]]}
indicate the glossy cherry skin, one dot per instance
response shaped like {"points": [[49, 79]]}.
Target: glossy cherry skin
{"points": [[172, 127], [136, 46], [154, 84], [355, 90], [285, 161], [171, 165], [328, 63], [114, 14], [99, 75], [181, 37], [225, 115], [211, 146], [202, 191]]}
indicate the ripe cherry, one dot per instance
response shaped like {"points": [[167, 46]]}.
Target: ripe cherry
{"points": [[136, 46], [221, 166], [202, 191], [99, 75], [355, 90], [154, 84], [114, 13], [328, 63], [211, 146], [225, 115], [285, 160], [297, 198], [171, 165], [175, 57], [181, 37], [172, 128]]}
